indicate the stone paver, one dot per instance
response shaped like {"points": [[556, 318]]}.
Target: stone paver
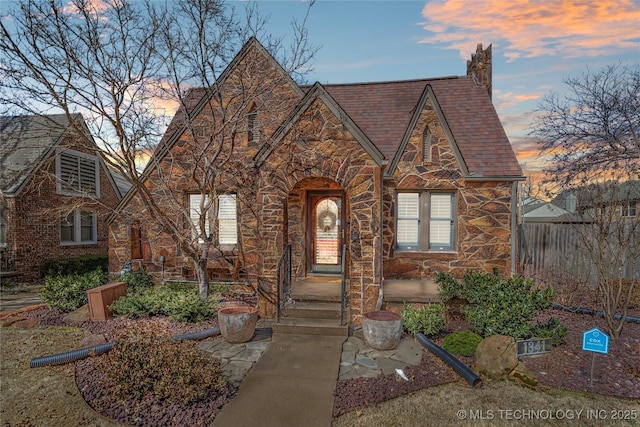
{"points": [[360, 360]]}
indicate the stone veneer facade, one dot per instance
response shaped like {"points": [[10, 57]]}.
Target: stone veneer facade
{"points": [[319, 152], [483, 211]]}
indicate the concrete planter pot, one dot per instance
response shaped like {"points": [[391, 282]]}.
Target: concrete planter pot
{"points": [[382, 329], [237, 323]]}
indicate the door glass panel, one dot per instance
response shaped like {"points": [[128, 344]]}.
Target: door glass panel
{"points": [[327, 231]]}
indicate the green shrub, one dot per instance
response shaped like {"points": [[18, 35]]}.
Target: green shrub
{"points": [[503, 306], [68, 293], [428, 319], [463, 343], [448, 287], [180, 301], [144, 361], [86, 264], [137, 281], [552, 329]]}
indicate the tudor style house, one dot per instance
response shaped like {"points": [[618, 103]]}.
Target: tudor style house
{"points": [[55, 193], [371, 184]]}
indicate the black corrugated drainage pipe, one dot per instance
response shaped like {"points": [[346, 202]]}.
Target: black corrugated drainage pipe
{"points": [[83, 353], [71, 356], [462, 369], [580, 310]]}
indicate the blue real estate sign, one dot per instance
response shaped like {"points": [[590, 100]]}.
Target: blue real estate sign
{"points": [[595, 340]]}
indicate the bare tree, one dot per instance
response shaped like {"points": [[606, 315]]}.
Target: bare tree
{"points": [[593, 137], [126, 66]]}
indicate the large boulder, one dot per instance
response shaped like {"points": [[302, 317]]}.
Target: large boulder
{"points": [[496, 356]]}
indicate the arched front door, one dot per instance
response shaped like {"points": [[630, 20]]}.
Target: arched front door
{"points": [[325, 231]]}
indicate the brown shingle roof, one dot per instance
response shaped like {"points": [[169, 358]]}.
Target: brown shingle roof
{"points": [[384, 110]]}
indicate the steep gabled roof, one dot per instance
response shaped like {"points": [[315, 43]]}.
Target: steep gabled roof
{"points": [[26, 141], [318, 92], [384, 111], [197, 98]]}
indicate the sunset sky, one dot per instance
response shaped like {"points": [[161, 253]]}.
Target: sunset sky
{"points": [[536, 44]]}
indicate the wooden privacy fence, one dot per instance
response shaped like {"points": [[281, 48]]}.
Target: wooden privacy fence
{"points": [[547, 248]]}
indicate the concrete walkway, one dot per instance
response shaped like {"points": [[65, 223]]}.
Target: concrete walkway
{"points": [[291, 384]]}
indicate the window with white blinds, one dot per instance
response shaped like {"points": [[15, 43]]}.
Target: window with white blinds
{"points": [[226, 219], [408, 223], [425, 221], [77, 173], [440, 221]]}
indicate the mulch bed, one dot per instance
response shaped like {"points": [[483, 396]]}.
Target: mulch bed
{"points": [[566, 367]]}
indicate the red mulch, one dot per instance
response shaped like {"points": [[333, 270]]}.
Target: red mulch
{"points": [[566, 367]]}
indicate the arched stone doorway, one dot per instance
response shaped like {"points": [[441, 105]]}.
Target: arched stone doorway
{"points": [[316, 227]]}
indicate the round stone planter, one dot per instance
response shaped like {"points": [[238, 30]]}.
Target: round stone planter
{"points": [[237, 323], [382, 329]]}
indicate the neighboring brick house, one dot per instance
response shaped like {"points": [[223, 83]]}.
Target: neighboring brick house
{"points": [[55, 195], [413, 177]]}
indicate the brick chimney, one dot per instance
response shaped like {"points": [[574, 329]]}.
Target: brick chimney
{"points": [[479, 67]]}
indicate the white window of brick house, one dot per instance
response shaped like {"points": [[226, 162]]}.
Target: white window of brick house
{"points": [[77, 174], [425, 221], [78, 228], [227, 222], [629, 209]]}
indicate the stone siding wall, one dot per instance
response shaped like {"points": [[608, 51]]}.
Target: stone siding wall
{"points": [[483, 217], [320, 154]]}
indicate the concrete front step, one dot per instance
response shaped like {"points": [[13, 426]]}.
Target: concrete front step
{"points": [[313, 310], [307, 326], [319, 296]]}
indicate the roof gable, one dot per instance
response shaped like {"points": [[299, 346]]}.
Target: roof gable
{"points": [[387, 111], [197, 98], [25, 141], [318, 92]]}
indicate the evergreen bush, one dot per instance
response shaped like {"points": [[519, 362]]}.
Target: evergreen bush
{"points": [[500, 306], [81, 265], [428, 319], [69, 292], [552, 329], [179, 301], [462, 343], [145, 361]]}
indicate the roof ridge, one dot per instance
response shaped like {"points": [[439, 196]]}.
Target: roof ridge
{"points": [[428, 79]]}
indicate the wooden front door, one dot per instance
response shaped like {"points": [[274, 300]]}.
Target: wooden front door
{"points": [[325, 231]]}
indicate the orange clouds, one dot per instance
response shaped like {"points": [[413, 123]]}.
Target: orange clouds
{"points": [[528, 28]]}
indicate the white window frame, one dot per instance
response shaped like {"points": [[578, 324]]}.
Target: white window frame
{"points": [[77, 228], [63, 188], [228, 216], [429, 214], [630, 209]]}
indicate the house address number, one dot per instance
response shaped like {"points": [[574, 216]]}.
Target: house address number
{"points": [[534, 346]]}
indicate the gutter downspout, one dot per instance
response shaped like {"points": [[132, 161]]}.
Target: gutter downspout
{"points": [[514, 225], [381, 235]]}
